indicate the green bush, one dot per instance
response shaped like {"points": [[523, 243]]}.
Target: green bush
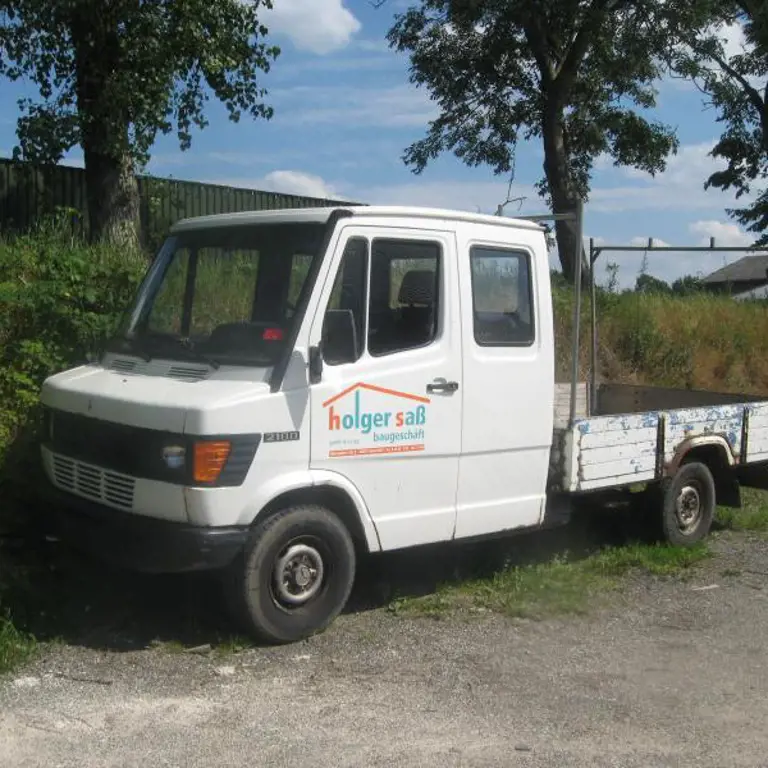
{"points": [[59, 300]]}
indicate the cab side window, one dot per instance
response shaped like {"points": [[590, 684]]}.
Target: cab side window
{"points": [[502, 297], [405, 292], [344, 321]]}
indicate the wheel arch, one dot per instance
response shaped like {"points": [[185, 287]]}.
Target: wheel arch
{"points": [[328, 489], [715, 453]]}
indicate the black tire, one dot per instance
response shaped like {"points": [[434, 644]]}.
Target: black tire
{"points": [[688, 505], [259, 603]]}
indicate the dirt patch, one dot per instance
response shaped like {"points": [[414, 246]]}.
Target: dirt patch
{"points": [[671, 672]]}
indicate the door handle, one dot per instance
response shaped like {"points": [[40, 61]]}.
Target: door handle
{"points": [[441, 385]]}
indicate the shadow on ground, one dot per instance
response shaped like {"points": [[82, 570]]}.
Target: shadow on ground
{"points": [[59, 595]]}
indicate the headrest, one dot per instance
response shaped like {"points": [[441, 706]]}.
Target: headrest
{"points": [[418, 287]]}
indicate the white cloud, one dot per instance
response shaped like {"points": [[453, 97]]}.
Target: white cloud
{"points": [[374, 46], [484, 197], [367, 62], [679, 188], [733, 38], [640, 241], [397, 106], [298, 183], [476, 196], [286, 182], [725, 233], [314, 26], [734, 43], [670, 265]]}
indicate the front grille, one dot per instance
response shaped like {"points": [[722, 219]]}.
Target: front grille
{"points": [[137, 452], [115, 447], [93, 483]]}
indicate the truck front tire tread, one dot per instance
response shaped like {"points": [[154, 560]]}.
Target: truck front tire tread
{"points": [[251, 592]]}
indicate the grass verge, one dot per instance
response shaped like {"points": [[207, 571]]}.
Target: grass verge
{"points": [[753, 515], [571, 586], [15, 646], [555, 587]]}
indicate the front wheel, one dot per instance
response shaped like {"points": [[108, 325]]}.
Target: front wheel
{"points": [[294, 576], [688, 505]]}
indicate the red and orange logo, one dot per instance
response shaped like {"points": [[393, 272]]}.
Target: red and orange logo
{"points": [[363, 432]]}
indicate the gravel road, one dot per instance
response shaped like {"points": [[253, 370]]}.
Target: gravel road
{"points": [[669, 673]]}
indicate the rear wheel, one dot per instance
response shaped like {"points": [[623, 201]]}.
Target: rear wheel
{"points": [[294, 576], [688, 505]]}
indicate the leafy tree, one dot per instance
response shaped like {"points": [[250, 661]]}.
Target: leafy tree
{"points": [[737, 85], [687, 285], [574, 73], [113, 74], [646, 283]]}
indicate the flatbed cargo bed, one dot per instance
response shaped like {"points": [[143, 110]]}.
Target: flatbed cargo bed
{"points": [[622, 445]]}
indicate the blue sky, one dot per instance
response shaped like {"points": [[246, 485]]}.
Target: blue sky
{"points": [[344, 113]]}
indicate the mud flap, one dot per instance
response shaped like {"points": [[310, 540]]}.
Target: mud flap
{"points": [[728, 490], [753, 476], [557, 510]]}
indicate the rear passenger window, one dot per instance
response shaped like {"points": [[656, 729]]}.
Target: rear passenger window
{"points": [[501, 297], [404, 295]]}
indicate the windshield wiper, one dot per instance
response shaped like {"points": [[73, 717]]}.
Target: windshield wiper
{"points": [[191, 347], [130, 345], [140, 350]]}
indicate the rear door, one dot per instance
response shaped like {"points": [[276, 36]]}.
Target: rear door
{"points": [[508, 379], [389, 420]]}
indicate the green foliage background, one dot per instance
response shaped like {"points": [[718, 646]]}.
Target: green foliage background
{"points": [[59, 299]]}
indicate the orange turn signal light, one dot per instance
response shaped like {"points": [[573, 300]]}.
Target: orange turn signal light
{"points": [[210, 458]]}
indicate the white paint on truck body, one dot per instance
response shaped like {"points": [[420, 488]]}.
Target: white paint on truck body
{"points": [[445, 439], [624, 449]]}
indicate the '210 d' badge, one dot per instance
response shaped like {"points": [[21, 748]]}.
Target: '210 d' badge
{"points": [[280, 437]]}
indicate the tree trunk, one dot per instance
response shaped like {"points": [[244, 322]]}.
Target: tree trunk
{"points": [[113, 198], [111, 186], [565, 198]]}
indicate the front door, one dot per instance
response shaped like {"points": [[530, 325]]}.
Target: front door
{"points": [[387, 411]]}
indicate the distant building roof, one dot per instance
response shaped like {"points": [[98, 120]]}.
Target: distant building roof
{"points": [[748, 269]]}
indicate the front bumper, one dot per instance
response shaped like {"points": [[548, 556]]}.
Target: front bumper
{"points": [[138, 542]]}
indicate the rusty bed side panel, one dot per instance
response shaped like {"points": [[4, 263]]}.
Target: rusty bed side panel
{"points": [[606, 451], [724, 421], [623, 449]]}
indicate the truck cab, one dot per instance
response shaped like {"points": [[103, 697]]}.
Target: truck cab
{"points": [[294, 388]]}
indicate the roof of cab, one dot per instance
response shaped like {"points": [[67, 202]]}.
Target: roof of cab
{"points": [[321, 216]]}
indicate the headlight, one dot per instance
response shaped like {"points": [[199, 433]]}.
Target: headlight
{"points": [[174, 456]]}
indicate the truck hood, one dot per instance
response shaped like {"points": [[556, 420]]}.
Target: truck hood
{"points": [[164, 395]]}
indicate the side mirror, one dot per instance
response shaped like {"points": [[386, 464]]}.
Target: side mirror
{"points": [[339, 337]]}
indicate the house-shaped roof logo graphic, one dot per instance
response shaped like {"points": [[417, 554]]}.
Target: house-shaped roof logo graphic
{"points": [[364, 432], [374, 388]]}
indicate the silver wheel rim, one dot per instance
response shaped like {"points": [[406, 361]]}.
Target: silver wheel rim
{"points": [[298, 574], [688, 509]]}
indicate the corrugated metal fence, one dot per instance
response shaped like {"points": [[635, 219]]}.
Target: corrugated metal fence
{"points": [[29, 192]]}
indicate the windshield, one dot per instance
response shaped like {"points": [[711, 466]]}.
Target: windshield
{"points": [[223, 294]]}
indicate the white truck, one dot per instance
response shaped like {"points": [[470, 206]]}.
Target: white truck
{"points": [[293, 389]]}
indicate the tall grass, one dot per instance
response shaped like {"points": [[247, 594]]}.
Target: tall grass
{"points": [[699, 342]]}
